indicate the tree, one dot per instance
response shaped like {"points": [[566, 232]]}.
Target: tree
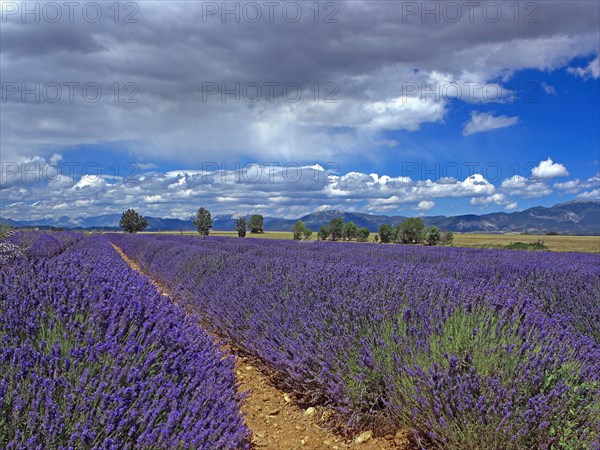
{"points": [[203, 222], [240, 226], [132, 222], [350, 231], [411, 231], [324, 232], [256, 224], [336, 228], [301, 231], [432, 236], [376, 238], [386, 233], [298, 229], [447, 238], [397, 237], [363, 234]]}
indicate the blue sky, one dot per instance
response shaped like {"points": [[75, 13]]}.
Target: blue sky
{"points": [[526, 134]]}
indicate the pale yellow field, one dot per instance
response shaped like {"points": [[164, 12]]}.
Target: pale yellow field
{"points": [[266, 235], [586, 244]]}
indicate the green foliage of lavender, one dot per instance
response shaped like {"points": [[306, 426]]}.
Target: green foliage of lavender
{"points": [[470, 348], [92, 356], [486, 380]]}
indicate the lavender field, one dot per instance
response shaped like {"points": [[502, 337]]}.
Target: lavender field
{"points": [[468, 348], [92, 356]]}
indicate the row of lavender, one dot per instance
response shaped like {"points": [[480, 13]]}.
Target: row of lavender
{"points": [[91, 356], [36, 244], [470, 348]]}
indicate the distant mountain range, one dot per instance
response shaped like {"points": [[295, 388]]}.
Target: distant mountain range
{"points": [[574, 217]]}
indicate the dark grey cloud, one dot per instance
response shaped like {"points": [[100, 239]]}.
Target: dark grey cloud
{"points": [[373, 50], [37, 40]]}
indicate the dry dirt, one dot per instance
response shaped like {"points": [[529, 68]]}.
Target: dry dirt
{"points": [[276, 421]]}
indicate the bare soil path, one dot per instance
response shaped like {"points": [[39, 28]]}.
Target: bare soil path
{"points": [[276, 421]]}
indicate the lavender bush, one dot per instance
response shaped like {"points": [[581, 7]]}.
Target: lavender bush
{"points": [[92, 356], [42, 244], [471, 348]]}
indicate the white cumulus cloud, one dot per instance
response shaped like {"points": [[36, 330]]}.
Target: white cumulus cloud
{"points": [[590, 195], [569, 187], [592, 70], [482, 122], [523, 187], [425, 205], [549, 169], [497, 198]]}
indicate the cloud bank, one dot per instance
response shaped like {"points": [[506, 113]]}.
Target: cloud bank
{"points": [[284, 191]]}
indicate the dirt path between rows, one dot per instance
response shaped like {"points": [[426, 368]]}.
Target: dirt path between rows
{"points": [[276, 422]]}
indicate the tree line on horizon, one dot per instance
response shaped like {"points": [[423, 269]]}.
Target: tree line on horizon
{"points": [[133, 222], [413, 231], [409, 231]]}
